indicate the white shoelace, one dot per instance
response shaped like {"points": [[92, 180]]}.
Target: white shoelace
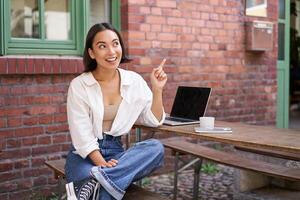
{"points": [[90, 188], [96, 191]]}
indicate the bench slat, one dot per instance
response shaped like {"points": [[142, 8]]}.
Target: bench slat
{"points": [[133, 192], [268, 152], [232, 159], [58, 166]]}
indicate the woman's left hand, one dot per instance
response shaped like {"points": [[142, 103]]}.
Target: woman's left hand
{"points": [[158, 77]]}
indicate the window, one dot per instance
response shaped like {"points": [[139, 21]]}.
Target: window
{"points": [[48, 27], [99, 9], [256, 8]]}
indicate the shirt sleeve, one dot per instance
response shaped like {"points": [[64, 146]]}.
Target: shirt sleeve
{"points": [[146, 117], [80, 123]]}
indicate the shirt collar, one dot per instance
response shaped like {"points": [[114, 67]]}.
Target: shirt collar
{"points": [[125, 78], [89, 78]]}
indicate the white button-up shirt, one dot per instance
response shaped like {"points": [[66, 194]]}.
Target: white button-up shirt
{"points": [[85, 109]]}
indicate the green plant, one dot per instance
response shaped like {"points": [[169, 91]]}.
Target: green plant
{"points": [[40, 196], [145, 181], [53, 197], [209, 168], [218, 147]]}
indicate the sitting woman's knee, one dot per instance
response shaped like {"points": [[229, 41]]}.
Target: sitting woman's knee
{"points": [[157, 146]]}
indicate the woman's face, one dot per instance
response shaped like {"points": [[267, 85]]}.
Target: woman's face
{"points": [[106, 49]]}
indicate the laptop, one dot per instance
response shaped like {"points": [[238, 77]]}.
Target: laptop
{"points": [[190, 103]]}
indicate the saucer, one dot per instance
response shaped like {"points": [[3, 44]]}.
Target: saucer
{"points": [[214, 130]]}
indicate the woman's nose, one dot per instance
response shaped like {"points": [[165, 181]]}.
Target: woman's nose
{"points": [[111, 50]]}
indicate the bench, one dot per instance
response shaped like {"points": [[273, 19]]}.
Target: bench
{"points": [[180, 146], [268, 152], [133, 192]]}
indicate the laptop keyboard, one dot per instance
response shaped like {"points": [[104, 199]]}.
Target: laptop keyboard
{"points": [[179, 120]]}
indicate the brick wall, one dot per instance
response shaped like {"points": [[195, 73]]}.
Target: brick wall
{"points": [[203, 41], [33, 123]]}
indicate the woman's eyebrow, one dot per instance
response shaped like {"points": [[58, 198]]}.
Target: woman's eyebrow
{"points": [[102, 42]]}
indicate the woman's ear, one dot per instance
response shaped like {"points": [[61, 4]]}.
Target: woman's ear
{"points": [[91, 53]]}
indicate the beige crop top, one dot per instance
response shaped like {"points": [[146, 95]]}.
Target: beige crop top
{"points": [[110, 113]]}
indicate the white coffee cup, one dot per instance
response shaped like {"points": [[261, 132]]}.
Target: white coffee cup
{"points": [[207, 122]]}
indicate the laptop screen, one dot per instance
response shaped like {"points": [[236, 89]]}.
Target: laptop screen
{"points": [[190, 102]]}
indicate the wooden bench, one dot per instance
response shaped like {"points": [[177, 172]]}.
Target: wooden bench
{"points": [[231, 159], [268, 152], [133, 192]]}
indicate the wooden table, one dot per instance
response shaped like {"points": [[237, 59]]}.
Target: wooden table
{"points": [[252, 136], [283, 143]]}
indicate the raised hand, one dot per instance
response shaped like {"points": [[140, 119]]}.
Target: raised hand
{"points": [[158, 77]]}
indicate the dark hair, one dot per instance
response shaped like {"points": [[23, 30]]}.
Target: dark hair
{"points": [[91, 64]]}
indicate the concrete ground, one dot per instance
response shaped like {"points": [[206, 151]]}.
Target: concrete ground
{"points": [[219, 186], [212, 187]]}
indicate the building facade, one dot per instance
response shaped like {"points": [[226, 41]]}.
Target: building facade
{"points": [[203, 41]]}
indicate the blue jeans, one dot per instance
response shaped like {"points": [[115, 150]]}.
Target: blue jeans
{"points": [[133, 164]]}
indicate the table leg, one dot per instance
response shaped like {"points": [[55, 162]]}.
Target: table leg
{"points": [[127, 141], [197, 170], [138, 133], [188, 165], [175, 175], [61, 188]]}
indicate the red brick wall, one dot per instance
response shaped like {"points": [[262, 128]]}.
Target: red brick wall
{"points": [[33, 124], [203, 41]]}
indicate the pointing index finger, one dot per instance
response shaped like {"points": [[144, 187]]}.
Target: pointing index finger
{"points": [[162, 63]]}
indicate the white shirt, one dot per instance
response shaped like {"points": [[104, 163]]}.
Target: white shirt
{"points": [[85, 109]]}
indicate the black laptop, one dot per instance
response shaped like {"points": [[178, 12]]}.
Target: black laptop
{"points": [[190, 103]]}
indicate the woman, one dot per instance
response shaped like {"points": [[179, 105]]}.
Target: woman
{"points": [[103, 104]]}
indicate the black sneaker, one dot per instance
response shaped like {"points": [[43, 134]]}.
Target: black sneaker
{"points": [[86, 189]]}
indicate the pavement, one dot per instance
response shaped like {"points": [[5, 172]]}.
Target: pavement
{"points": [[218, 186]]}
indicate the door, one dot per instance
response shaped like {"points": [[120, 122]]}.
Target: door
{"points": [[283, 64]]}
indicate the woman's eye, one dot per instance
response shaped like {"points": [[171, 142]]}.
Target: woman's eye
{"points": [[116, 43], [101, 46]]}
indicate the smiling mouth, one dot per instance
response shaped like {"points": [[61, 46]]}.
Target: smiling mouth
{"points": [[112, 59]]}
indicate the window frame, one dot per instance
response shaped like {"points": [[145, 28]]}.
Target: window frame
{"points": [[79, 11]]}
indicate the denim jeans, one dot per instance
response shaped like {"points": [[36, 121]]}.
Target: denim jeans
{"points": [[133, 164]]}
